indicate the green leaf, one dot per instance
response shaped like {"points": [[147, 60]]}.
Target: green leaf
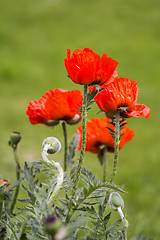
{"points": [[111, 130], [106, 219]]}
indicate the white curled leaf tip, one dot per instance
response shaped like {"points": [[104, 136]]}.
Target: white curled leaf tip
{"points": [[60, 176], [45, 154], [59, 172]]}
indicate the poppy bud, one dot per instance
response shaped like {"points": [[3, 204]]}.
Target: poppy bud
{"points": [[115, 201], [76, 119], [15, 138], [3, 189], [51, 123], [53, 145], [52, 225]]}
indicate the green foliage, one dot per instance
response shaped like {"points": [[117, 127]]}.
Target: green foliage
{"points": [[82, 213], [122, 123], [140, 236]]}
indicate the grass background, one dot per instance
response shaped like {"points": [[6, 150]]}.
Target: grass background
{"points": [[34, 37]]}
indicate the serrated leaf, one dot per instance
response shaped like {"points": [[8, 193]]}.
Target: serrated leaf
{"points": [[111, 130], [16, 183], [122, 135], [107, 217], [114, 225], [122, 125], [97, 224]]}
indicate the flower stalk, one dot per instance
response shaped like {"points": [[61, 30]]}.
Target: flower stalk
{"points": [[116, 148], [82, 152], [123, 222], [65, 146], [104, 164], [18, 172]]}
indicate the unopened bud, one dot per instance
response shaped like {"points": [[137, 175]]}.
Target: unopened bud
{"points": [[51, 123], [52, 225], [52, 145], [4, 187], [76, 119], [15, 138], [4, 182], [116, 201]]}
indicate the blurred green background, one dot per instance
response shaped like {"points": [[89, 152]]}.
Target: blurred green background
{"points": [[34, 37]]}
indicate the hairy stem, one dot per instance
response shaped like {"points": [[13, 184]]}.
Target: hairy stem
{"points": [[116, 156], [105, 164], [18, 171], [65, 145], [116, 146], [124, 227], [81, 157]]}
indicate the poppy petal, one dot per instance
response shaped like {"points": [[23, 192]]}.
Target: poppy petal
{"points": [[138, 110]]}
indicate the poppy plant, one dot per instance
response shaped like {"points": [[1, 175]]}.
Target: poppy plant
{"points": [[121, 95], [86, 67], [98, 136], [54, 105]]}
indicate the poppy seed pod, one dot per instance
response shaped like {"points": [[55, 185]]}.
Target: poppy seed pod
{"points": [[15, 137], [115, 201], [52, 145], [52, 225]]}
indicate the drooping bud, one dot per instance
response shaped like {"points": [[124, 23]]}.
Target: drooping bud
{"points": [[76, 119], [15, 138], [52, 225], [51, 123], [52, 145], [116, 201]]}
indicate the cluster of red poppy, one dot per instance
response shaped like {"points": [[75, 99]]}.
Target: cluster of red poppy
{"points": [[86, 67]]}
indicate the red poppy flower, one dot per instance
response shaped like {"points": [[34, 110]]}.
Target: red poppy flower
{"points": [[87, 67], [55, 105], [98, 136], [121, 94]]}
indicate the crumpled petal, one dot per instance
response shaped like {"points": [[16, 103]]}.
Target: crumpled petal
{"points": [[98, 136], [86, 67], [138, 110], [56, 104]]}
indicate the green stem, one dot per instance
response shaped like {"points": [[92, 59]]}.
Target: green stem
{"points": [[65, 145], [81, 157], [18, 170], [1, 206], [123, 223], [105, 164], [116, 147], [116, 156]]}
